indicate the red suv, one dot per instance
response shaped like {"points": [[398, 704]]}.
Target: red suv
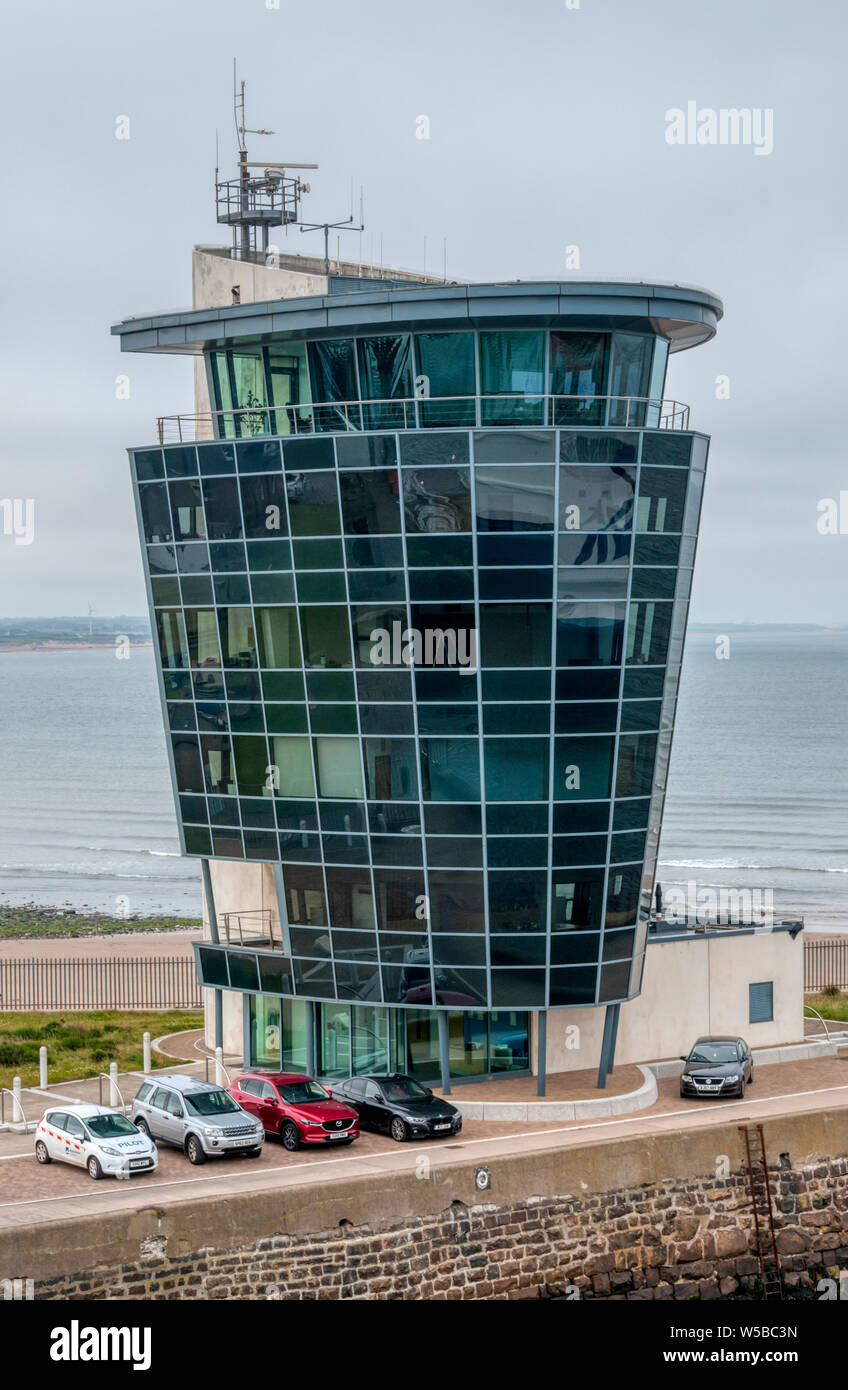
{"points": [[298, 1109]]}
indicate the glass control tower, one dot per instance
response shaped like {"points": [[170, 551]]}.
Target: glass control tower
{"points": [[419, 577]]}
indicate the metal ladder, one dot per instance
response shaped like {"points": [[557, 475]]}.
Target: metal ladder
{"points": [[759, 1188]]}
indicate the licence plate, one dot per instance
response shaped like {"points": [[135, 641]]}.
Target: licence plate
{"points": [[343, 1134], [243, 1143], [139, 1162], [706, 1088], [445, 1126]]}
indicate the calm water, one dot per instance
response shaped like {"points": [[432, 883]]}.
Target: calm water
{"points": [[758, 793]]}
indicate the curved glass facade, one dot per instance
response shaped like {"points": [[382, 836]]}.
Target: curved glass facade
{"points": [[431, 672]]}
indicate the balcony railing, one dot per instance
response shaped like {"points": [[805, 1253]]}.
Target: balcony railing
{"points": [[426, 412], [254, 927]]}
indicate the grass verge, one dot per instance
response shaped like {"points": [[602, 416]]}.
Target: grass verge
{"points": [[830, 1005], [40, 922], [83, 1044]]}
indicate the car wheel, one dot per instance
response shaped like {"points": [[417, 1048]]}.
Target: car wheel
{"points": [[41, 1152], [94, 1169], [290, 1136], [194, 1150], [751, 1078], [143, 1127], [397, 1129]]}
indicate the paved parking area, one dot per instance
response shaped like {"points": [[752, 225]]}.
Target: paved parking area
{"points": [[30, 1194]]}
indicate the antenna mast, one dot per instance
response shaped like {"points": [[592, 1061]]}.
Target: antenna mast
{"points": [[250, 204]]}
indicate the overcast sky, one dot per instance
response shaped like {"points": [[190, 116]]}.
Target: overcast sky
{"points": [[547, 129]]}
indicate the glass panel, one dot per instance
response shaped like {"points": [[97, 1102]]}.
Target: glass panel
{"points": [[385, 374], [332, 366], [631, 363], [657, 382], [338, 766], [326, 636], [292, 766], [577, 899], [370, 502], [512, 364], [450, 769], [515, 634], [446, 363], [589, 634], [265, 1031], [596, 498], [187, 511], [635, 770], [390, 769], [515, 499], [279, 643], [422, 1045], [263, 501], [289, 388], [456, 901], [313, 504], [370, 1036], [350, 899], [223, 394], [662, 494], [583, 768], [516, 769], [648, 627], [238, 636], [509, 1042], [437, 499], [517, 901], [334, 1040], [173, 645], [248, 381], [578, 370], [400, 899], [304, 885]]}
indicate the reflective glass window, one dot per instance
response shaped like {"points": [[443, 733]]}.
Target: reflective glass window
{"points": [[515, 634], [648, 628], [450, 769], [456, 900], [516, 769], [512, 364], [589, 634], [370, 503], [326, 636], [339, 768], [583, 768], [578, 373], [446, 363], [596, 498], [313, 504], [332, 367], [514, 499], [437, 499]]}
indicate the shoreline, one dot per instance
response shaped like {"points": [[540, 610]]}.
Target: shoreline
{"points": [[32, 923], [59, 646]]}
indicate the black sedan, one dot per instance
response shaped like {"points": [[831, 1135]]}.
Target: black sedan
{"points": [[398, 1106], [717, 1066]]}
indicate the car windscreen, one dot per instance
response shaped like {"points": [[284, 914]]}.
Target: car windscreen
{"points": [[403, 1088], [301, 1092], [210, 1103], [712, 1054], [110, 1126]]}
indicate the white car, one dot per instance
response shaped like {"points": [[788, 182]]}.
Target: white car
{"points": [[101, 1140]]}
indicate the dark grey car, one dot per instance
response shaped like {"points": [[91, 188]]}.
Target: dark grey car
{"points": [[197, 1117], [399, 1106], [717, 1066]]}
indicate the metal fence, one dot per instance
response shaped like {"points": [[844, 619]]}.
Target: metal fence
{"points": [[107, 982], [825, 963]]}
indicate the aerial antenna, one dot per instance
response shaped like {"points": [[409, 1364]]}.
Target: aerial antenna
{"points": [[347, 225], [250, 203]]}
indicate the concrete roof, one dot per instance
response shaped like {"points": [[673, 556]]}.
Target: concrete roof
{"points": [[686, 315]]}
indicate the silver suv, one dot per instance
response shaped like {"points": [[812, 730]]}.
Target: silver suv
{"points": [[199, 1118]]}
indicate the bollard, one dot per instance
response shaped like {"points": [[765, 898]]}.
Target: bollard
{"points": [[219, 1066], [147, 1065], [114, 1094], [17, 1107], [42, 1067]]}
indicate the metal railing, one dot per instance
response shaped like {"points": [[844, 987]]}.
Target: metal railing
{"points": [[16, 1103], [103, 982], [256, 926], [825, 964], [113, 1085], [425, 412]]}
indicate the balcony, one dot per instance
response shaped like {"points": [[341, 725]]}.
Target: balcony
{"points": [[427, 412], [254, 927]]}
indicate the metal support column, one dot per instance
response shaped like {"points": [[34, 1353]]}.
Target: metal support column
{"points": [[310, 1038], [608, 1044], [542, 1053], [209, 896], [444, 1050], [279, 888]]}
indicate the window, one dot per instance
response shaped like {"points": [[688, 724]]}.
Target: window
{"points": [[326, 636], [516, 769], [761, 1002], [631, 365], [515, 499], [515, 634], [238, 636], [279, 643], [662, 495], [437, 499], [390, 769], [578, 372], [313, 504], [304, 886], [202, 634], [589, 634], [289, 386], [333, 368], [450, 769], [512, 364], [370, 502], [291, 764], [385, 375], [263, 502], [338, 766], [446, 362], [596, 498]]}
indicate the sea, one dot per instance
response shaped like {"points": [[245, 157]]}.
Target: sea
{"points": [[757, 792]]}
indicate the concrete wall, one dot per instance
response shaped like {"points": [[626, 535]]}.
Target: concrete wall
{"points": [[212, 280], [690, 987], [664, 1216]]}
